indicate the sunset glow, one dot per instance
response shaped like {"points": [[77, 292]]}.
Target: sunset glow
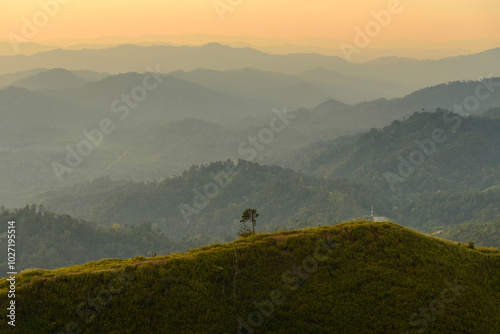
{"points": [[292, 19]]}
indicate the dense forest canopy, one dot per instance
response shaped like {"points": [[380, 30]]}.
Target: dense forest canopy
{"points": [[49, 240]]}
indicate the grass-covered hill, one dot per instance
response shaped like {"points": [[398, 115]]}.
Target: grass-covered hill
{"points": [[357, 277]]}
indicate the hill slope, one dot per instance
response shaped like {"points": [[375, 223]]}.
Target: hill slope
{"points": [[465, 155], [184, 204], [485, 234], [209, 200], [56, 78], [433, 169], [352, 278], [51, 241]]}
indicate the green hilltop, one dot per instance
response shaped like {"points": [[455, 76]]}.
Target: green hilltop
{"points": [[357, 277]]}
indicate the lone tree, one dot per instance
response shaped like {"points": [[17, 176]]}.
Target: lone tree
{"points": [[250, 215]]}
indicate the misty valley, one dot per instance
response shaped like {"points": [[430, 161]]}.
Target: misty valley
{"points": [[246, 182]]}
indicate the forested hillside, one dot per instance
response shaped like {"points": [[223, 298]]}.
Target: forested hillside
{"points": [[482, 234], [172, 130], [432, 169], [209, 200], [48, 240], [429, 212], [428, 152]]}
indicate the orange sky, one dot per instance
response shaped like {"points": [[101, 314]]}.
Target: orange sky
{"points": [[433, 20]]}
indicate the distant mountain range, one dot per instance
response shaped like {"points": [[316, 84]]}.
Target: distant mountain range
{"points": [[225, 97], [413, 74], [325, 46], [41, 123], [52, 79], [376, 180], [305, 89], [41, 78]]}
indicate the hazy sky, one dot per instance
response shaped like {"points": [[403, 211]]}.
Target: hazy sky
{"points": [[434, 20]]}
